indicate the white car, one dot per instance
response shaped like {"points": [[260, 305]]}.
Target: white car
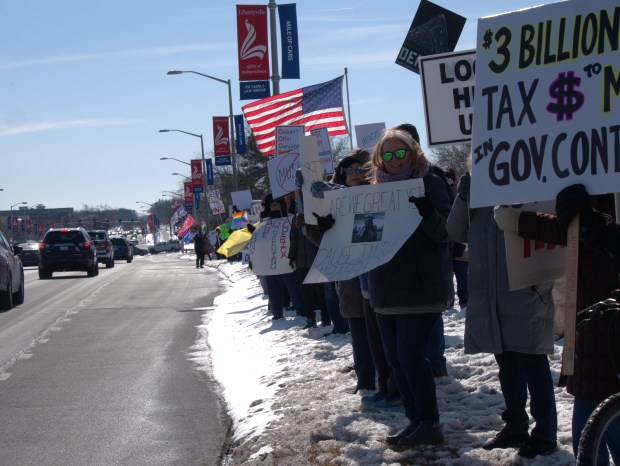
{"points": [[166, 246]]}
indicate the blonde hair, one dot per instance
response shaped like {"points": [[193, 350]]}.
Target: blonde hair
{"points": [[376, 159]]}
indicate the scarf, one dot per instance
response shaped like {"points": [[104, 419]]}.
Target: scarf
{"points": [[407, 172]]}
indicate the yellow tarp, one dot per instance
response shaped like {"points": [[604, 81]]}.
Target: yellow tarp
{"points": [[235, 242]]}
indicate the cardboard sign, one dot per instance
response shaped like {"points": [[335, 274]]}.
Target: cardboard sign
{"points": [[448, 94], [242, 199], [372, 224], [546, 106], [215, 201], [268, 248]]}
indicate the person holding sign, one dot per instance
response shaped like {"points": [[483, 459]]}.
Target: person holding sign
{"points": [[410, 291], [596, 365], [515, 326]]}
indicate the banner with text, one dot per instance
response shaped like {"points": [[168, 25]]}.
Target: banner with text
{"points": [[372, 223], [325, 149], [240, 135], [214, 198], [282, 168], [221, 141], [252, 42], [196, 167], [289, 42], [367, 135], [546, 105]]}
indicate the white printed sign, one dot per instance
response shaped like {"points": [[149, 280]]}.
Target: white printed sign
{"points": [[282, 168], [311, 171], [368, 135], [372, 222], [448, 93], [325, 149], [215, 201], [547, 103], [268, 248]]}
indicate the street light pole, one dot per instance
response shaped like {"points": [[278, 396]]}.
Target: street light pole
{"points": [[172, 158], [231, 118], [204, 167]]}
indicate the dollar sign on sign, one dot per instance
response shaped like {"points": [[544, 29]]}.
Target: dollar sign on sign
{"points": [[567, 98]]}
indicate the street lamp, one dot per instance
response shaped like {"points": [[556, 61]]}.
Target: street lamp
{"points": [[233, 149], [186, 177], [171, 193], [172, 158], [204, 165]]}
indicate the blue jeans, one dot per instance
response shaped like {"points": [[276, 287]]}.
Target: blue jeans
{"points": [[362, 358], [275, 286], [460, 273], [405, 340], [437, 346], [581, 412], [341, 325], [518, 373]]}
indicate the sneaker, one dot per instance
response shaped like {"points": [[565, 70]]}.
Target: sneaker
{"points": [[427, 433], [505, 439], [393, 439], [536, 446]]}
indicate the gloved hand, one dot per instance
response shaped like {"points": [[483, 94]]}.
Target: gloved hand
{"points": [[324, 223], [570, 202], [423, 204], [507, 218], [292, 263], [464, 186], [250, 227], [299, 178]]}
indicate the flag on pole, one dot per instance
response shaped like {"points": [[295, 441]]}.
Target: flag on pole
{"points": [[314, 106]]}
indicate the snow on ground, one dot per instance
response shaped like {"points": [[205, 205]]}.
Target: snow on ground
{"points": [[290, 395]]}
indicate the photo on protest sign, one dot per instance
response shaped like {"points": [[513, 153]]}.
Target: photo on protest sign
{"points": [[372, 222], [434, 30], [268, 248], [282, 168], [448, 96], [532, 262], [546, 111]]}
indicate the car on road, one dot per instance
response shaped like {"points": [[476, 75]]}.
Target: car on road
{"points": [[67, 250], [138, 251], [166, 246], [105, 250], [29, 254], [122, 249], [11, 275]]}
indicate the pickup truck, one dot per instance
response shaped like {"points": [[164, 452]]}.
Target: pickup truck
{"points": [[166, 246]]}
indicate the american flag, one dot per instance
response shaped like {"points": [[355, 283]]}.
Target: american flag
{"points": [[314, 106]]}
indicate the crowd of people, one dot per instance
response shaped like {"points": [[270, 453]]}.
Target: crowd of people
{"points": [[394, 312]]}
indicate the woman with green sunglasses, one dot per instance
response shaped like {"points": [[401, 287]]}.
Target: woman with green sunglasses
{"points": [[410, 292]]}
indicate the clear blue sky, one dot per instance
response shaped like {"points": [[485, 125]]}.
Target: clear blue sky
{"points": [[84, 90]]}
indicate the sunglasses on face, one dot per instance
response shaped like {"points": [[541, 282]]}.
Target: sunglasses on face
{"points": [[351, 170], [398, 153]]}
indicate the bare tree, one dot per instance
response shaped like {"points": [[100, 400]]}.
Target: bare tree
{"points": [[456, 157]]}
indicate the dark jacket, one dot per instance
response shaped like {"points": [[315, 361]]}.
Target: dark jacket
{"points": [[421, 271], [350, 298], [302, 250]]}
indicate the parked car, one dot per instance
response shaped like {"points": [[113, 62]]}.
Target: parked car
{"points": [[11, 275], [67, 250], [166, 246], [29, 254], [138, 251], [105, 250], [122, 249]]}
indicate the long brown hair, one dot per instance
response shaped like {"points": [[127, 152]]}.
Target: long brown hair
{"points": [[376, 159]]}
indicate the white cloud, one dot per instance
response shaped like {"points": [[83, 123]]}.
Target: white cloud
{"points": [[9, 130]]}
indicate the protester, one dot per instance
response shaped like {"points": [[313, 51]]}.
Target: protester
{"points": [[199, 248], [515, 326], [460, 255], [597, 366], [410, 291]]}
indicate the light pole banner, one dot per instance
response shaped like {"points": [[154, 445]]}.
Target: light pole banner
{"points": [[252, 90], [196, 167], [268, 248], [546, 105], [215, 201], [221, 138], [252, 42], [368, 135], [210, 179], [188, 195], [289, 41], [372, 224], [448, 94], [240, 135]]}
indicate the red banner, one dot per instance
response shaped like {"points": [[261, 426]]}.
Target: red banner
{"points": [[186, 225], [252, 42], [188, 195], [196, 166], [28, 226], [221, 137]]}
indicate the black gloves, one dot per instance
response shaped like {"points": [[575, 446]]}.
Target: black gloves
{"points": [[291, 262], [324, 223], [250, 227], [423, 204], [571, 201], [463, 186]]}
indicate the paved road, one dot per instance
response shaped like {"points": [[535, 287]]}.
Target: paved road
{"points": [[94, 371]]}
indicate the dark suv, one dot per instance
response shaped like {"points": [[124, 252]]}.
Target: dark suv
{"points": [[67, 249], [105, 249]]}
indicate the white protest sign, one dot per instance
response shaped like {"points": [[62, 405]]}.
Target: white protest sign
{"points": [[311, 170], [325, 149], [532, 262], [282, 168], [368, 135], [268, 248], [546, 106], [448, 93], [372, 222], [215, 201], [242, 199]]}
